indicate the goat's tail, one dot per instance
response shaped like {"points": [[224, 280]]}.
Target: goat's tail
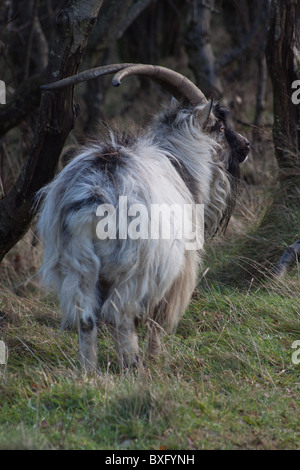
{"points": [[70, 265]]}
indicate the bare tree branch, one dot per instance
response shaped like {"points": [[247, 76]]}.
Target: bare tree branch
{"points": [[136, 9], [26, 99], [236, 52]]}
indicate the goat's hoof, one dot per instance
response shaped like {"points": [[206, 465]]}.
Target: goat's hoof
{"points": [[133, 363]]}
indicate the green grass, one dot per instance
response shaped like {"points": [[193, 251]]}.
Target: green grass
{"points": [[225, 380]]}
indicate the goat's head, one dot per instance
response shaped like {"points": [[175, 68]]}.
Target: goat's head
{"points": [[220, 126]]}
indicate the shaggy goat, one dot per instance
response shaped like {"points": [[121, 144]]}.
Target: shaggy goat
{"points": [[188, 156]]}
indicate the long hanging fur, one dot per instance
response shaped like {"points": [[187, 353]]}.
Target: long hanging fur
{"points": [[178, 159]]}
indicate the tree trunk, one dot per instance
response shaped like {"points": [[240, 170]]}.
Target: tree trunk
{"points": [[198, 46], [74, 24], [280, 225], [116, 19], [283, 60]]}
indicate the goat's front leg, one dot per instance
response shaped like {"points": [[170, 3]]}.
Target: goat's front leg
{"points": [[87, 333]]}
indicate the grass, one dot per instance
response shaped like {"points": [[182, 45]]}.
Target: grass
{"points": [[225, 380]]}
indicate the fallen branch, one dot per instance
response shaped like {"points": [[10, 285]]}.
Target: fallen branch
{"points": [[289, 256]]}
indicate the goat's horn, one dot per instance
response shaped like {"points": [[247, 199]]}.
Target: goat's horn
{"points": [[86, 75], [179, 85]]}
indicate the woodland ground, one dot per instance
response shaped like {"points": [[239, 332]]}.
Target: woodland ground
{"points": [[225, 380]]}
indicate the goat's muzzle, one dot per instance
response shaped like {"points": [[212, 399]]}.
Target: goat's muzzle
{"points": [[243, 148]]}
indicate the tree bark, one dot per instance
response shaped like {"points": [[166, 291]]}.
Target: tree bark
{"points": [[283, 60], [73, 26]]}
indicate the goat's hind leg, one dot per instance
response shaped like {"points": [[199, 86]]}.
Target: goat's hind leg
{"points": [[87, 334], [173, 305], [79, 302], [119, 314], [155, 333], [126, 343]]}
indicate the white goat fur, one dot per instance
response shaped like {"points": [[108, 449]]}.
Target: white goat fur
{"points": [[121, 281]]}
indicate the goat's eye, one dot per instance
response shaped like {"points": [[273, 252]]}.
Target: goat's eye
{"points": [[221, 129]]}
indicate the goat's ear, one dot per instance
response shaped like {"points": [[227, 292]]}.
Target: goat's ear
{"points": [[174, 102], [204, 113]]}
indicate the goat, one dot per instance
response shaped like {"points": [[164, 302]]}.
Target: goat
{"points": [[188, 155]]}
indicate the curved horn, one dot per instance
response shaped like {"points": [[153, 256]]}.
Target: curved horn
{"points": [[179, 85], [86, 75]]}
